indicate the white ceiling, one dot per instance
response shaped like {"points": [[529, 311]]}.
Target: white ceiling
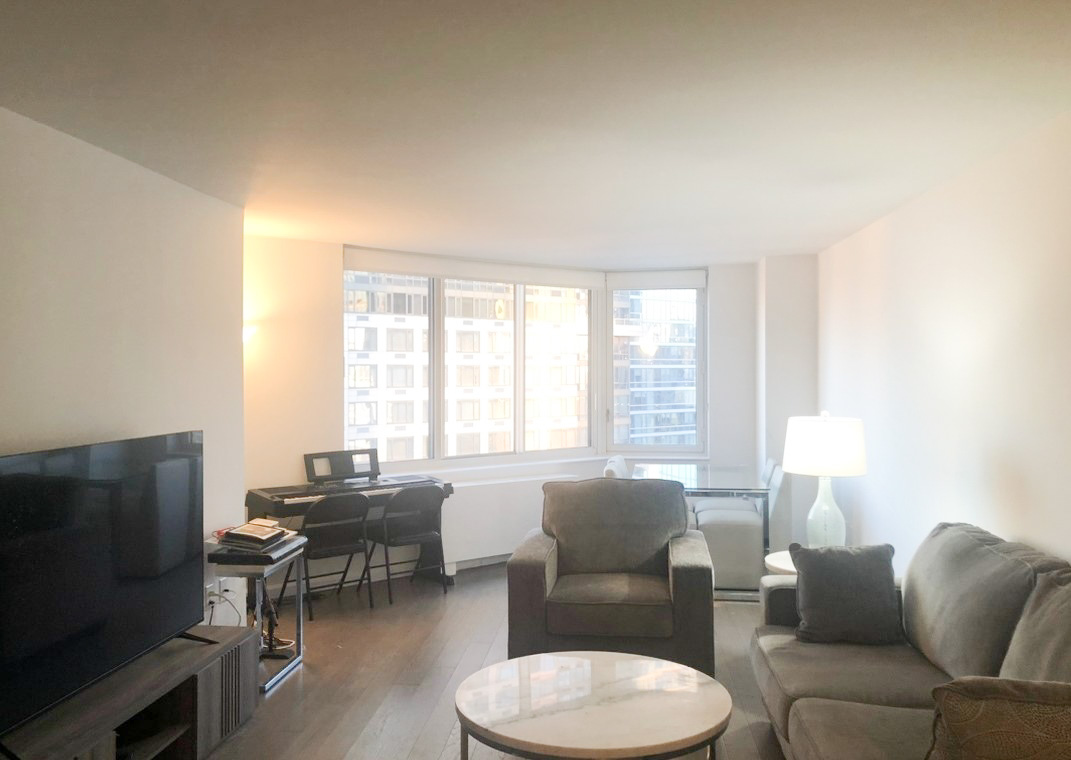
{"points": [[610, 134]]}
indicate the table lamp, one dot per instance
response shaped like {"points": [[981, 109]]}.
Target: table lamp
{"points": [[828, 447]]}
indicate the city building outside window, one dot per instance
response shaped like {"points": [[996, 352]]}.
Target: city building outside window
{"points": [[399, 340], [361, 376], [466, 444], [361, 339], [400, 375], [468, 376], [478, 321], [361, 413], [655, 367], [382, 315], [399, 412]]}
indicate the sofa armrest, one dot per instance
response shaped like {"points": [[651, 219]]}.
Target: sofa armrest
{"points": [[777, 599], [691, 586], [531, 573]]}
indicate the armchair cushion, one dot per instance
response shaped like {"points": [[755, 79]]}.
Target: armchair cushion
{"points": [[607, 525], [610, 604]]}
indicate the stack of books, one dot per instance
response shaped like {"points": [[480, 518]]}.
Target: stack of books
{"points": [[256, 535]]}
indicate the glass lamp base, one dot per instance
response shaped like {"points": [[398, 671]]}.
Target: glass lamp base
{"points": [[825, 523]]}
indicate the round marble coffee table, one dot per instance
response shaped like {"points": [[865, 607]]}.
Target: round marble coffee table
{"points": [[592, 705]]}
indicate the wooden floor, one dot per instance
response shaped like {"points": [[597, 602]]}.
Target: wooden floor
{"points": [[379, 684]]}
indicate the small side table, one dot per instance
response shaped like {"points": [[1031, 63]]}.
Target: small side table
{"points": [[780, 563], [291, 551]]}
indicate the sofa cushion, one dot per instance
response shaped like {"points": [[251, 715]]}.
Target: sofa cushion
{"points": [[610, 604], [713, 517], [788, 669], [982, 718], [847, 593], [607, 525], [828, 729], [1040, 649], [963, 593]]}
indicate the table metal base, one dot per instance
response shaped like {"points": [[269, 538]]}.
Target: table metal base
{"points": [[708, 744], [258, 617]]}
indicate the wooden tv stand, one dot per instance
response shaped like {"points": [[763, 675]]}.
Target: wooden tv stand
{"points": [[178, 702]]}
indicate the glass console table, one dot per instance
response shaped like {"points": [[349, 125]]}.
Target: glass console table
{"points": [[701, 480]]}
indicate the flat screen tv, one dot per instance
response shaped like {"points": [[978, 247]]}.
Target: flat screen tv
{"points": [[100, 561]]}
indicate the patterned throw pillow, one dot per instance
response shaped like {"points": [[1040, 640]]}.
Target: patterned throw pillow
{"points": [[1001, 719]]}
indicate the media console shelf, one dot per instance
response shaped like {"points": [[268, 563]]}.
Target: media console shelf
{"points": [[178, 702]]}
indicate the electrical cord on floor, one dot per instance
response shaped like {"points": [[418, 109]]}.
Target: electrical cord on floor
{"points": [[224, 597]]}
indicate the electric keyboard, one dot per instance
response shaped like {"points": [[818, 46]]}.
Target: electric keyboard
{"points": [[290, 501]]}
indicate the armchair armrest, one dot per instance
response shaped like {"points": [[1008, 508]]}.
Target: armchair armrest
{"points": [[691, 586], [531, 574]]}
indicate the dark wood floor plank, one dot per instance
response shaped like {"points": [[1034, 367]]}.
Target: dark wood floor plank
{"points": [[379, 684]]}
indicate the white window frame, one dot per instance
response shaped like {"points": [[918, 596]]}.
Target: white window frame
{"points": [[684, 279], [600, 342]]}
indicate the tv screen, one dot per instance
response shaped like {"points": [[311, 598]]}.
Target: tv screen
{"points": [[100, 561]]}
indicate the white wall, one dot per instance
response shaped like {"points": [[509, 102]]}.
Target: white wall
{"points": [[944, 326], [787, 368], [120, 306], [294, 360], [731, 366]]}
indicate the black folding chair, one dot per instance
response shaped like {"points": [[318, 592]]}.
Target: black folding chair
{"points": [[336, 526], [412, 517]]}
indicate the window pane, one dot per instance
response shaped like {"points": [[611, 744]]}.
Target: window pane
{"points": [[361, 413], [399, 341], [655, 367], [556, 343], [468, 376], [383, 315], [360, 339], [399, 412], [478, 320]]}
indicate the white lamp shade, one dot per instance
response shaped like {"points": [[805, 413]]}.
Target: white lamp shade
{"points": [[825, 446]]}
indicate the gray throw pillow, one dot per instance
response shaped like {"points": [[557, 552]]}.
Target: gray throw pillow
{"points": [[846, 593]]}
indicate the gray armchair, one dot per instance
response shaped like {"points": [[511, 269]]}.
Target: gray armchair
{"points": [[613, 568]]}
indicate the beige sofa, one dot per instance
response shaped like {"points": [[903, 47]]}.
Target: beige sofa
{"points": [[962, 597]]}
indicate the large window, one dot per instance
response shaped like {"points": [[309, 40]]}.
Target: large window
{"points": [[452, 364], [382, 314], [655, 368]]}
